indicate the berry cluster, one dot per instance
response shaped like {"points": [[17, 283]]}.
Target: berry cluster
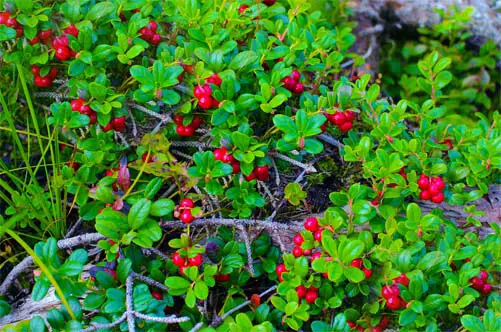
{"points": [[223, 155], [183, 211], [480, 283], [392, 293], [343, 120], [43, 81], [311, 225], [61, 44], [149, 33], [188, 130], [117, 124], [204, 92], [279, 270], [292, 83], [78, 105], [184, 262], [44, 36], [431, 188], [259, 172], [11, 22], [359, 264], [310, 294]]}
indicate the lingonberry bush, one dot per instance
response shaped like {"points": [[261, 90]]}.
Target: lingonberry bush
{"points": [[170, 134]]}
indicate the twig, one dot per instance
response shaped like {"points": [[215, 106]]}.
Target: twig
{"points": [[61, 244], [197, 327], [308, 168], [248, 248], [271, 225], [167, 320], [134, 126], [129, 305], [74, 228], [157, 252], [163, 117], [218, 320], [149, 281], [193, 144], [330, 140], [96, 327]]}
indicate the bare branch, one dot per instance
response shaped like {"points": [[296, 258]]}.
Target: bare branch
{"points": [[96, 327], [167, 320]]}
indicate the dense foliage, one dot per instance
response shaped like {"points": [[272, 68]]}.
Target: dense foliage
{"points": [[174, 129]]}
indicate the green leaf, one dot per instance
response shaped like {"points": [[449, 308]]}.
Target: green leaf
{"points": [[472, 323], [37, 324], [243, 59], [201, 290], [443, 79], [240, 140], [354, 274], [153, 187], [414, 213], [6, 33], [351, 250], [284, 123], [177, 285], [100, 10], [40, 289], [141, 74], [465, 301], [139, 212], [112, 224], [134, 51], [123, 269], [93, 301], [71, 268], [162, 207], [407, 317]]}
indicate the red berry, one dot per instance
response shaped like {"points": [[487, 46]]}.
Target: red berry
{"points": [[350, 115], [63, 53], [156, 39], [296, 75], [34, 41], [52, 73], [242, 8], [119, 123], [72, 30], [93, 117], [299, 88], [301, 291], [222, 277], [477, 283], [205, 102], [147, 159], [357, 262], [393, 302], [157, 295], [433, 189], [423, 182], [448, 142], [178, 260], [438, 198], [345, 127], [236, 167], [108, 127], [311, 224], [318, 235], [187, 203], [181, 269], [196, 122], [61, 41], [289, 83], [316, 255], [484, 275], [4, 17], [214, 79], [487, 289], [262, 173], [298, 239], [195, 261], [351, 324], [367, 272], [385, 321], [250, 177], [199, 91], [280, 269], [76, 104], [153, 26], [388, 291], [438, 182], [45, 35], [186, 217], [35, 70], [297, 251], [228, 158], [220, 153], [146, 33], [178, 119], [338, 118], [402, 279], [269, 2], [311, 297], [425, 195]]}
